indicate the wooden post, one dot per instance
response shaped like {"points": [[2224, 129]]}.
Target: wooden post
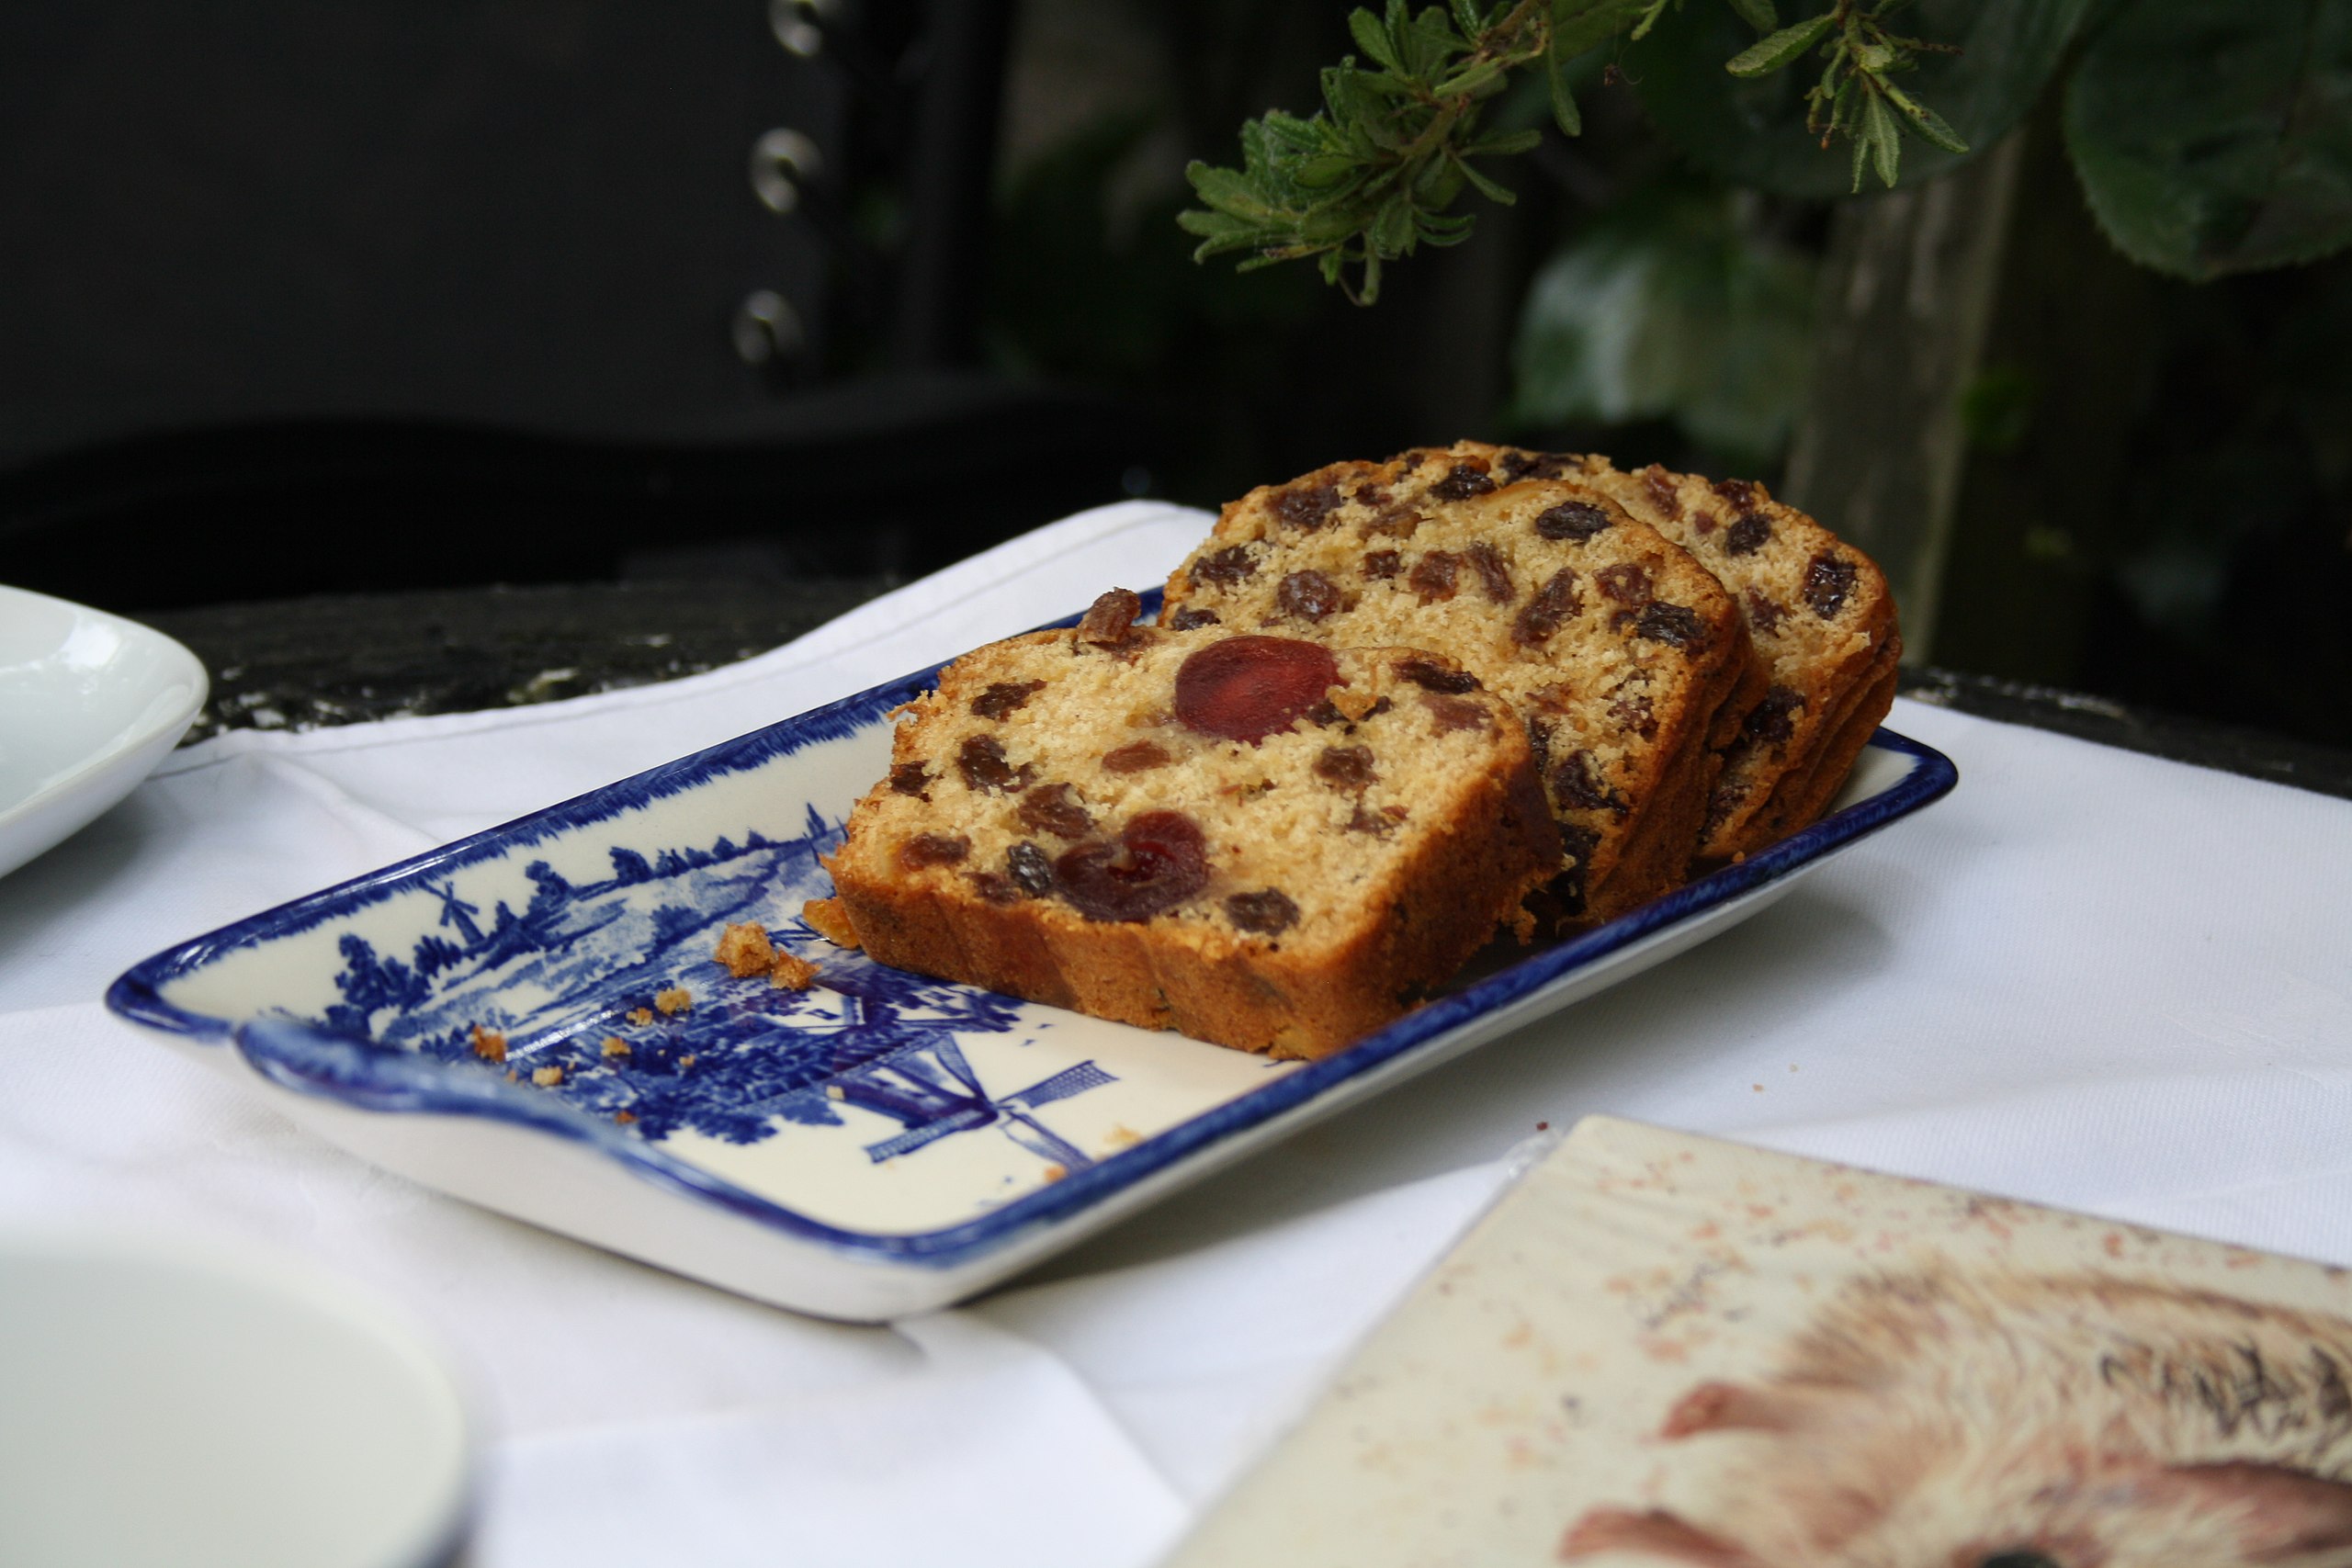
{"points": [[1907, 287]]}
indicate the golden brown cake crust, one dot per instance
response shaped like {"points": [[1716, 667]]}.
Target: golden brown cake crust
{"points": [[1624, 654], [1351, 863], [1819, 613]]}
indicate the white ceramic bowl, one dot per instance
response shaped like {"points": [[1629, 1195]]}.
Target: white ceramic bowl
{"points": [[89, 703], [214, 1407]]}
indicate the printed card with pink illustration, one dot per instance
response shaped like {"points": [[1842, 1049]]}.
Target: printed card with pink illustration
{"points": [[1663, 1351]]}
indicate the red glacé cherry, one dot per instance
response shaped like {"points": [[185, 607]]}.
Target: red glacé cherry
{"points": [[1246, 688], [1159, 861]]}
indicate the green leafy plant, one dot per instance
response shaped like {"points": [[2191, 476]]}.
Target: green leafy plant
{"points": [[2211, 136], [1376, 173]]}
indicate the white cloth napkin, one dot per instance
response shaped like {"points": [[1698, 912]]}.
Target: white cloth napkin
{"points": [[2090, 978]]}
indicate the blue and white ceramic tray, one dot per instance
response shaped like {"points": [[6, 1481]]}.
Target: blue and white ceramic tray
{"points": [[878, 1145]]}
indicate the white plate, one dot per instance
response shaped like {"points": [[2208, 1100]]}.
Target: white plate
{"points": [[89, 703], [176, 1406], [879, 1145]]}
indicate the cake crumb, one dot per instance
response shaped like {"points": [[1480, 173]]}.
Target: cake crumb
{"points": [[1055, 1172], [789, 973], [624, 1117], [640, 1015], [688, 1060], [745, 950], [489, 1044], [615, 1046], [829, 920], [513, 1077], [677, 998], [547, 1077], [1123, 1137]]}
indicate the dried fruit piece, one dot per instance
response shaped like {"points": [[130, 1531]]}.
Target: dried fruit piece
{"points": [[1185, 619], [1110, 620], [1434, 574], [1055, 809], [994, 889], [1577, 781], [1770, 720], [1464, 481], [909, 778], [1266, 912], [1518, 464], [1636, 714], [1246, 688], [1346, 767], [1677, 626], [1029, 868], [1005, 698], [1305, 506], [1493, 572], [1227, 566], [1740, 492], [1749, 534], [1552, 605], [1828, 579], [1308, 595], [1765, 613], [1160, 861], [1577, 520], [1379, 824], [933, 849], [1396, 521], [981, 762], [1136, 757], [1434, 677], [1663, 492], [1453, 712], [1381, 565], [1628, 583]]}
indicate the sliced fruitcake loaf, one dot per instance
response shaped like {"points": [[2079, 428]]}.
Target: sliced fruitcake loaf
{"points": [[1265, 842], [1625, 658], [1818, 611]]}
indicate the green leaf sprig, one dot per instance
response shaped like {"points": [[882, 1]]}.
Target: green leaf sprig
{"points": [[1856, 95], [1371, 175], [1376, 173]]}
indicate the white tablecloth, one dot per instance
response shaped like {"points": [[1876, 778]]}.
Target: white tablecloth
{"points": [[2089, 978]]}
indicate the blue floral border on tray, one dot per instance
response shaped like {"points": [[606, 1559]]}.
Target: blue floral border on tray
{"points": [[368, 1076]]}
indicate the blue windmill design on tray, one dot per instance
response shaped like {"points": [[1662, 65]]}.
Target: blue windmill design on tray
{"points": [[573, 972], [933, 1092]]}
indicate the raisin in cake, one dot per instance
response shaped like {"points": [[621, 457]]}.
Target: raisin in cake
{"points": [[1265, 842], [1818, 612], [1627, 660]]}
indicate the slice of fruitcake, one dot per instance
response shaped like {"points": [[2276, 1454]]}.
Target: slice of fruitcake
{"points": [[1265, 842], [1626, 659], [1818, 611]]}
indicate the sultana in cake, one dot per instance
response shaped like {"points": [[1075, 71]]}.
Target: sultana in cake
{"points": [[1261, 842], [1629, 663]]}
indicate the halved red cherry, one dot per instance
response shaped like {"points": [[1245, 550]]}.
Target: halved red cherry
{"points": [[1159, 861], [1246, 688]]}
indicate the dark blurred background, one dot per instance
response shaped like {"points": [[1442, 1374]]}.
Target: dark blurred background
{"points": [[302, 299]]}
